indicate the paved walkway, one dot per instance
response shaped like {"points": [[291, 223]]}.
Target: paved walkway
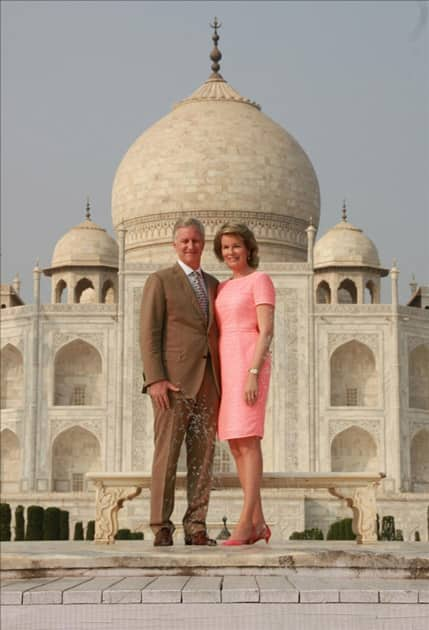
{"points": [[222, 603]]}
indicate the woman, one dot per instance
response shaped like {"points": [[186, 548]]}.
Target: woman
{"points": [[245, 314]]}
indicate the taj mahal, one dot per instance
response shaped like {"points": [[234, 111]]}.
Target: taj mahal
{"points": [[350, 382]]}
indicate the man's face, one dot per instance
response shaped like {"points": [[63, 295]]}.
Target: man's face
{"points": [[189, 245]]}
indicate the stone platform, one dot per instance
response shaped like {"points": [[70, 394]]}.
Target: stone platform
{"points": [[301, 585], [134, 557]]}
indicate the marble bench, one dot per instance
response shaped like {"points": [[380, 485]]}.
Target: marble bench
{"points": [[356, 489]]}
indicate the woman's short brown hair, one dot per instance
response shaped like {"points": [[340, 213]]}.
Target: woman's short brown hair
{"points": [[238, 229]]}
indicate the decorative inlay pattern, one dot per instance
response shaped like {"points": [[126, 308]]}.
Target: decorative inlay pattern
{"points": [[287, 311], [269, 227], [418, 426], [17, 342], [338, 339], [373, 427], [95, 339], [354, 309], [414, 342], [57, 426], [142, 416]]}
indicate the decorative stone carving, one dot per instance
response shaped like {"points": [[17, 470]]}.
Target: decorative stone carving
{"points": [[414, 342], [418, 426], [369, 339], [79, 309], [108, 503], [95, 339], [287, 317], [153, 229], [58, 425], [17, 342], [373, 427], [141, 424], [364, 510], [354, 309]]}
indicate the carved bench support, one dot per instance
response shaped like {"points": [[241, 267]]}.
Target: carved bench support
{"points": [[109, 501], [364, 510]]}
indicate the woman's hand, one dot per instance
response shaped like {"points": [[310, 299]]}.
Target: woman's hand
{"points": [[251, 389]]}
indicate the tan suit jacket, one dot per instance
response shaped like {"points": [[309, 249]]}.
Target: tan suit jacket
{"points": [[175, 338]]}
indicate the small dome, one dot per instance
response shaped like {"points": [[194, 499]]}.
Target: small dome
{"points": [[85, 245], [345, 245]]}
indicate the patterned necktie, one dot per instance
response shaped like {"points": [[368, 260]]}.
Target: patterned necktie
{"points": [[197, 285]]}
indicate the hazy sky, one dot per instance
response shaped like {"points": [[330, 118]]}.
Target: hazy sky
{"points": [[82, 80]]}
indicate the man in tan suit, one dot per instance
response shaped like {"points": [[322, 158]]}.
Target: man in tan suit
{"points": [[179, 346]]}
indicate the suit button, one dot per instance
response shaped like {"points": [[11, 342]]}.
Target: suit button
{"points": [[205, 356]]}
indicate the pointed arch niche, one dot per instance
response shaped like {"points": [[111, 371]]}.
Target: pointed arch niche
{"points": [[418, 369], [78, 375], [61, 292], [84, 292], [108, 293], [75, 452], [323, 293], [354, 379], [347, 292], [12, 377], [10, 471], [420, 461], [354, 450]]}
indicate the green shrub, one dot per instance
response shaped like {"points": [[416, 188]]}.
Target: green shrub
{"points": [[399, 535], [90, 530], [5, 518], [34, 529], [78, 531], [308, 534], [122, 534], [388, 528], [64, 525], [19, 523], [51, 524], [341, 530], [136, 536]]}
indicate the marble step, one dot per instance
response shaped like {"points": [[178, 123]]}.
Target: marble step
{"points": [[173, 589]]}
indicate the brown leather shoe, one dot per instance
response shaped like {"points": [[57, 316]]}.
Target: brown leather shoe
{"points": [[199, 538], [163, 537]]}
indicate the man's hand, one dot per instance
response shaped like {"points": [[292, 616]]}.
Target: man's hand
{"points": [[159, 393]]}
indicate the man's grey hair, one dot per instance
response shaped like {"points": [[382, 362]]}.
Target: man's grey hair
{"points": [[190, 222]]}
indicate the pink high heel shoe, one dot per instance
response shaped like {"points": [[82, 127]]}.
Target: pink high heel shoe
{"points": [[236, 542], [264, 534]]}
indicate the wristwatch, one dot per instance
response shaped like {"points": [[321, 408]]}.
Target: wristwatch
{"points": [[253, 371]]}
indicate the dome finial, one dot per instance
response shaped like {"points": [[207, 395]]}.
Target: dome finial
{"points": [[344, 211], [88, 210], [215, 54]]}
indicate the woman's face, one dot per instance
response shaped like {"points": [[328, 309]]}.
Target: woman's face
{"points": [[234, 252]]}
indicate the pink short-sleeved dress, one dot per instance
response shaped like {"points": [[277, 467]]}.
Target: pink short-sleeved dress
{"points": [[235, 309]]}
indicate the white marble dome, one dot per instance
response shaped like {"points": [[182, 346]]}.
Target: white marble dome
{"points": [[216, 156], [85, 245], [345, 245]]}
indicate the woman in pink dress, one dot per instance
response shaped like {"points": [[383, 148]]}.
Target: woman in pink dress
{"points": [[245, 315]]}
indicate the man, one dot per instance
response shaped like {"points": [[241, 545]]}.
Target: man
{"points": [[179, 346]]}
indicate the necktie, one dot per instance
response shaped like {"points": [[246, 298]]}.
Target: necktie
{"points": [[197, 285]]}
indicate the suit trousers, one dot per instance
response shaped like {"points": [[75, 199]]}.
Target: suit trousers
{"points": [[195, 421]]}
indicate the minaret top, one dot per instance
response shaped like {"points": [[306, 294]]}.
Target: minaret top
{"points": [[88, 210], [215, 54]]}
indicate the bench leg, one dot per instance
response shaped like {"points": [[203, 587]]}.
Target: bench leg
{"points": [[108, 503], [364, 510]]}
